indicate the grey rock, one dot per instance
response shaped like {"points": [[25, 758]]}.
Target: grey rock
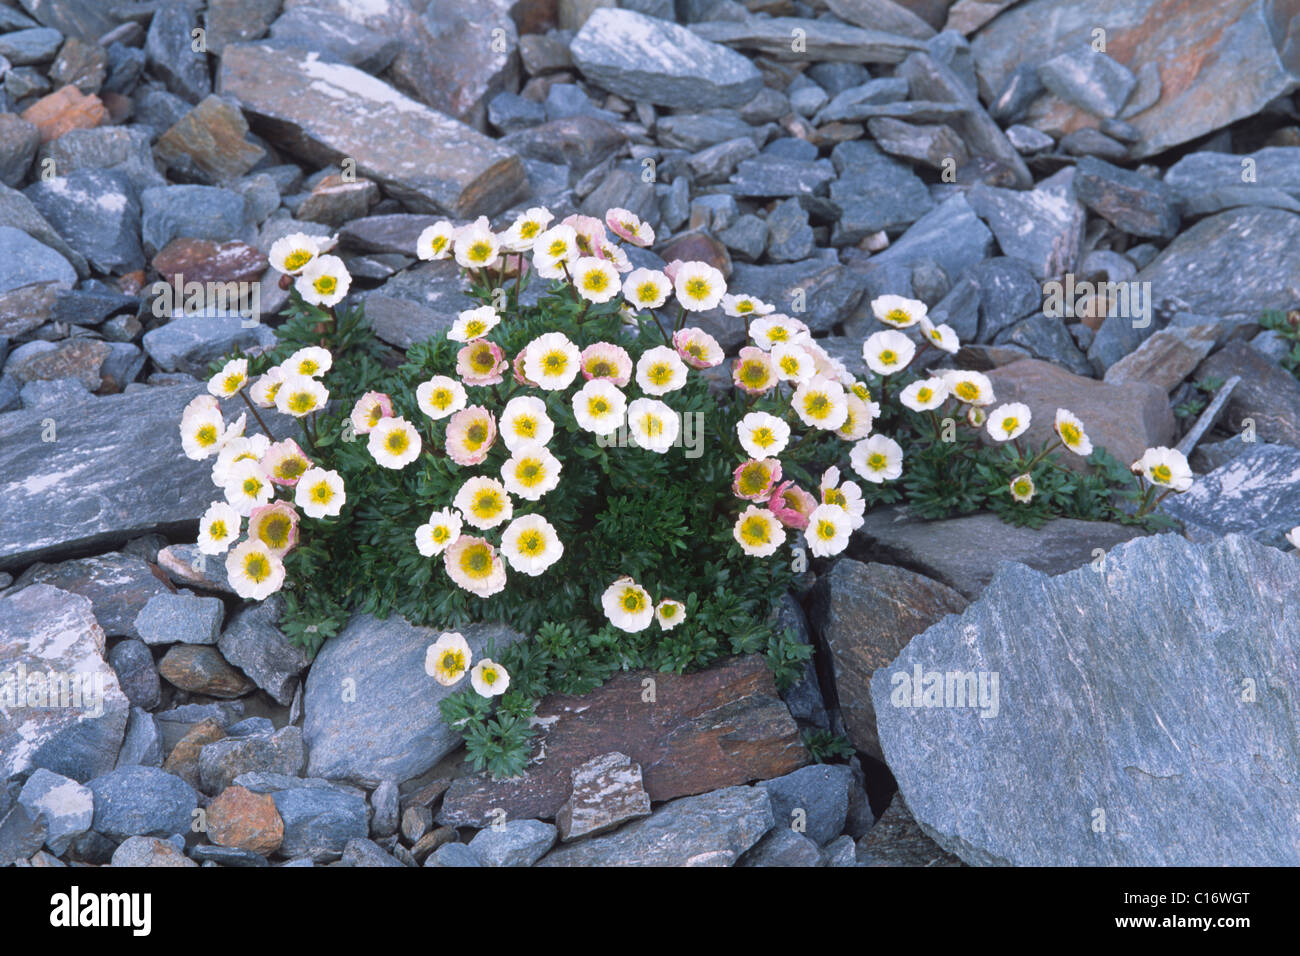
{"points": [[311, 28], [897, 840], [180, 619], [149, 851], [875, 192], [453, 854], [1046, 337], [66, 806], [823, 40], [195, 212], [814, 800], [1028, 140], [1019, 89], [569, 99], [747, 237], [789, 236], [1253, 494], [715, 211], [141, 801], [712, 829], [58, 392], [398, 314], [28, 261], [641, 58], [935, 145], [510, 112], [189, 343], [1042, 226], [142, 745], [51, 636], [17, 211], [362, 852], [319, 821], [228, 856], [21, 835], [837, 76], [222, 761], [804, 697], [830, 291], [1271, 168], [416, 822], [716, 163], [1088, 79], [1137, 204], [392, 730], [114, 149], [33, 45], [808, 99], [1092, 142], [1271, 344], [950, 233], [18, 142], [1100, 710], [674, 205], [168, 47], [515, 843], [767, 178], [849, 104], [782, 847], [256, 646], [384, 804], [136, 673], [841, 851], [607, 792], [579, 142]]}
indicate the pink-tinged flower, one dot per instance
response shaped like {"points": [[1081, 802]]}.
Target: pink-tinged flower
{"points": [[755, 479], [368, 410], [752, 372], [591, 233], [697, 348], [604, 360], [475, 566], [481, 363], [470, 434], [285, 462], [275, 527], [791, 505], [673, 268], [628, 225], [616, 257], [517, 370]]}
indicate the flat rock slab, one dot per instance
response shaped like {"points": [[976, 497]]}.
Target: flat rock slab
{"points": [[52, 648], [1268, 396], [118, 586], [371, 711], [718, 727], [115, 470], [325, 112], [1217, 62], [1159, 691], [822, 40], [964, 553], [1256, 494]]}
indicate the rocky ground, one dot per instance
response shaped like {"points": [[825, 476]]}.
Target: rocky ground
{"points": [[988, 157]]}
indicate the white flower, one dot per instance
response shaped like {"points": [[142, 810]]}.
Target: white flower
{"points": [[877, 459], [771, 330], [924, 394], [477, 246], [669, 613], [941, 337], [474, 565], [846, 495], [859, 418], [595, 279], [248, 487], [524, 231], [238, 449], [474, 324], [524, 420], [1071, 432], [263, 391], [699, 286], [203, 430], [440, 396], [232, 377], [1022, 489], [311, 361], [448, 658], [394, 443], [299, 395], [436, 241], [660, 370], [628, 225], [553, 250], [218, 528], [792, 363], [484, 502], [489, 679], [293, 252], [646, 288], [758, 532], [599, 407], [740, 306], [325, 281], [828, 531], [438, 533], [973, 388], [897, 311], [1009, 421], [320, 493], [888, 352], [763, 435], [652, 424], [530, 545], [254, 571], [628, 605], [530, 471], [820, 403], [552, 361], [1166, 467]]}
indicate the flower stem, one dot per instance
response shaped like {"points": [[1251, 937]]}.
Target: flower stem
{"points": [[253, 408]]}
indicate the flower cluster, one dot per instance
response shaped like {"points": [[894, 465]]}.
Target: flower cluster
{"points": [[448, 659]]}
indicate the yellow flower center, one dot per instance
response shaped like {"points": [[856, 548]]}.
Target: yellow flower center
{"points": [[531, 542], [753, 479], [697, 288], [486, 504], [647, 292], [476, 434], [763, 437], [1069, 433], [898, 316], [322, 492], [476, 561], [888, 357], [207, 435], [661, 373], [297, 259], [557, 248], [217, 530], [302, 402], [475, 328], [833, 496], [967, 391], [529, 229], [825, 530], [1161, 474], [633, 601], [308, 367], [397, 442], [275, 531], [257, 568], [233, 382], [325, 285], [480, 251], [595, 281], [877, 461], [755, 530], [1010, 424]]}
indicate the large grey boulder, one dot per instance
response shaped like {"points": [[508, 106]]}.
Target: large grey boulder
{"points": [[1137, 714]]}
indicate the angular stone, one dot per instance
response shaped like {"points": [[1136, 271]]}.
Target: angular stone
{"points": [[336, 31], [427, 160], [782, 847], [823, 40], [335, 200], [642, 58], [238, 21], [18, 142], [209, 143], [136, 673], [1137, 204], [579, 142], [718, 727], [141, 801], [950, 233], [67, 498], [516, 843], [1099, 708], [142, 745], [244, 820], [453, 854], [202, 260], [607, 792], [814, 800], [367, 853], [222, 761], [84, 65], [712, 829], [789, 236], [319, 821], [393, 729], [185, 564], [202, 670], [1267, 394], [1164, 359], [123, 149], [67, 807], [196, 212], [28, 307], [829, 291], [1042, 226], [884, 15], [864, 615], [183, 760], [897, 840], [171, 55], [767, 178], [52, 648], [149, 851], [180, 619], [929, 144], [1088, 79], [29, 261], [1200, 52], [78, 359], [256, 646]]}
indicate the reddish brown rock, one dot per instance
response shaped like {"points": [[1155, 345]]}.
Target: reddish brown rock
{"points": [[336, 200], [63, 110], [864, 615], [73, 358], [27, 307], [698, 247], [200, 669], [209, 141], [699, 732], [183, 761], [245, 820], [202, 260], [432, 840]]}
